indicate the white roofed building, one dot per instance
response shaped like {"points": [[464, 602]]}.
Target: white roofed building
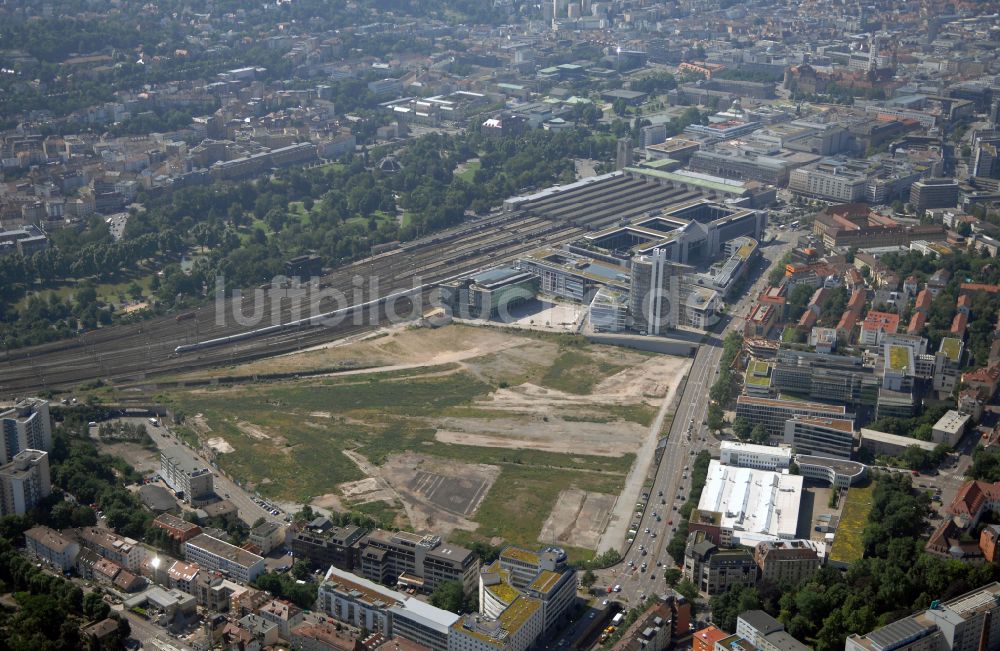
{"points": [[749, 506]]}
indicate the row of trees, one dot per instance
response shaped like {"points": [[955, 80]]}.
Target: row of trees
{"points": [[699, 473]]}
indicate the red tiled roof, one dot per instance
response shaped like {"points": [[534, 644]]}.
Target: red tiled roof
{"points": [[916, 323], [959, 323], [972, 497], [881, 321], [924, 300]]}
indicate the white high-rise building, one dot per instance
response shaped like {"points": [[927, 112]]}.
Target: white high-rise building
{"points": [[24, 482], [26, 426]]}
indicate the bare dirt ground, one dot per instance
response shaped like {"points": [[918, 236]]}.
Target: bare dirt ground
{"points": [[578, 518], [220, 445], [396, 346], [141, 458], [371, 489], [553, 435], [253, 431], [439, 495]]}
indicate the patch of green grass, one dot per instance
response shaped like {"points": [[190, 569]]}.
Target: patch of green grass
{"points": [[109, 292], [385, 514], [469, 172], [576, 372], [848, 545], [187, 435], [639, 413], [522, 497]]}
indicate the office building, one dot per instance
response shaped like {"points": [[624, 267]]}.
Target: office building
{"points": [[838, 378], [715, 570], [744, 165], [608, 310], [772, 414], [934, 193], [216, 555], [541, 575], [839, 473], [822, 437], [950, 428], [188, 478], [786, 562], [970, 622], [24, 482], [488, 294], [830, 181], [365, 604], [515, 629], [25, 426], [267, 536], [328, 546], [947, 365], [891, 445], [51, 547], [759, 457], [765, 633], [654, 297], [857, 224], [421, 562]]}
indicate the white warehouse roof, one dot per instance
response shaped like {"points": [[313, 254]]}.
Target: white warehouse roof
{"points": [[754, 504]]}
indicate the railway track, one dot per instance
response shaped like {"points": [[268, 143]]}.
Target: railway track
{"points": [[139, 352]]}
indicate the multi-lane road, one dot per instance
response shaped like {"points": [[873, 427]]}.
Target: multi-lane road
{"points": [[672, 483]]}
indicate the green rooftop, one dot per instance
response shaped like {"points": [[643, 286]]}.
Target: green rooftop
{"points": [[503, 591], [899, 357], [848, 545], [952, 348], [758, 374]]}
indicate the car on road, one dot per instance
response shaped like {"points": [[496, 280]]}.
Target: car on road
{"points": [[670, 521], [618, 588]]}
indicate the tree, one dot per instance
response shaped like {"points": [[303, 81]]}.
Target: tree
{"points": [[727, 606], [305, 515], [448, 595], [716, 420], [759, 435], [588, 579], [671, 575], [689, 591], [301, 569], [742, 428]]}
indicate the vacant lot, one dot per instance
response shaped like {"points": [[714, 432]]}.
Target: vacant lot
{"points": [[578, 518], [466, 428]]}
